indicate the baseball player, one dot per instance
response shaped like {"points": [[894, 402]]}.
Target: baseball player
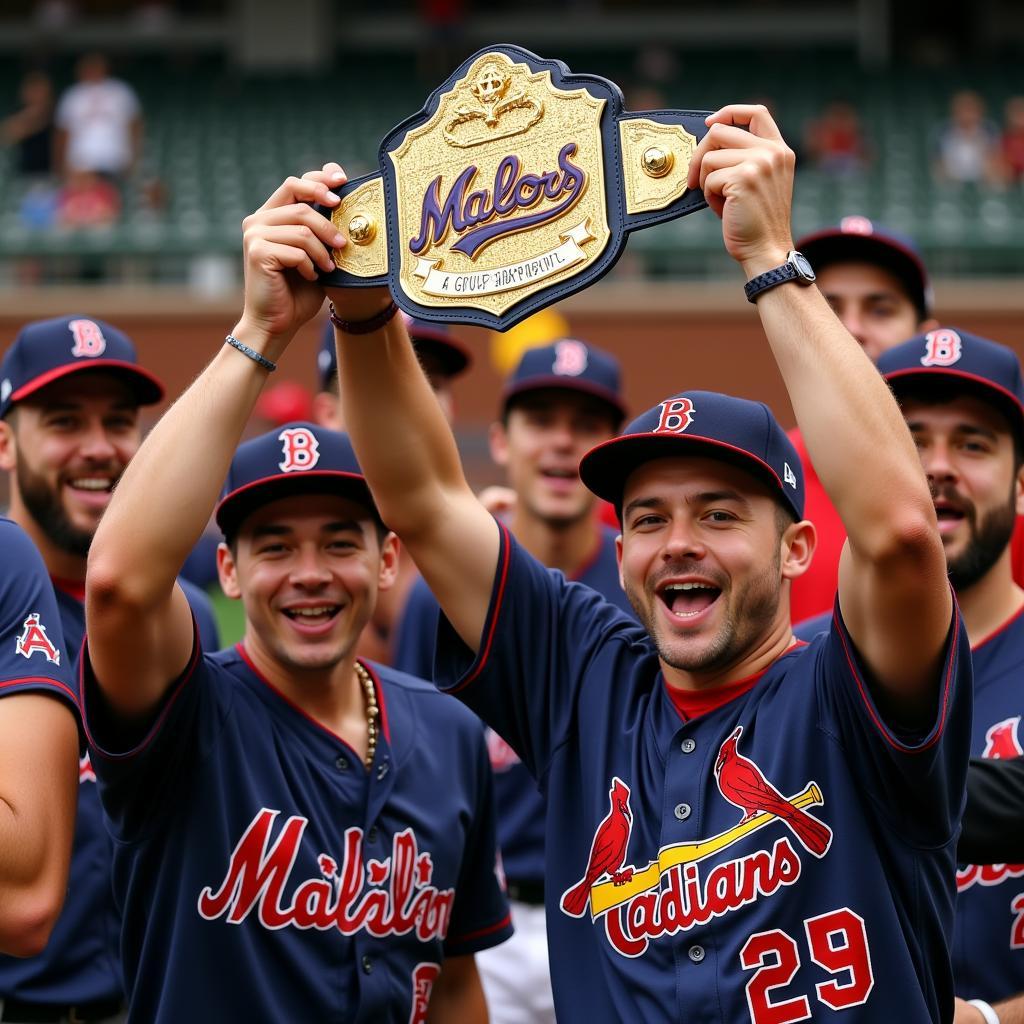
{"points": [[738, 827], [877, 285], [301, 835], [38, 751], [70, 394], [443, 358], [561, 399], [963, 399]]}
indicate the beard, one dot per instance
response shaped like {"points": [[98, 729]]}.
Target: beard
{"points": [[989, 536], [44, 505], [749, 612]]}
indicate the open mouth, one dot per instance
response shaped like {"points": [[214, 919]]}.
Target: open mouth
{"points": [[949, 515], [316, 615], [92, 484], [687, 600]]}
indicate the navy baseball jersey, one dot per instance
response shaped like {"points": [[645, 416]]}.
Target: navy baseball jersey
{"points": [[33, 654], [266, 875], [783, 856], [519, 802], [810, 628], [988, 940], [81, 962]]}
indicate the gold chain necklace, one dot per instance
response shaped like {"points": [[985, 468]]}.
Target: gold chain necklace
{"points": [[371, 714]]}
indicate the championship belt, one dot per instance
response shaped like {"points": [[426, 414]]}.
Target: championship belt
{"points": [[514, 186]]}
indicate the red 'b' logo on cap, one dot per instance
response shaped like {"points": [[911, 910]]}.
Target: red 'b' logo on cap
{"points": [[89, 340], [676, 416], [570, 358], [941, 348], [300, 448]]}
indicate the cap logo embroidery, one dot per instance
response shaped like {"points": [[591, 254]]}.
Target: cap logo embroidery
{"points": [[676, 416], [570, 358], [856, 226], [33, 638], [300, 448], [88, 339], [788, 475], [941, 348]]}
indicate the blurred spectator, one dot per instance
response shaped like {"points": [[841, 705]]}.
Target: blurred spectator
{"points": [[30, 130], [835, 140], [99, 122], [967, 150], [87, 200], [1012, 144]]}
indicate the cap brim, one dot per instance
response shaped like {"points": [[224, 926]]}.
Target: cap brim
{"points": [[239, 503], [558, 383], [147, 387], [988, 389], [454, 358], [606, 467], [824, 248]]}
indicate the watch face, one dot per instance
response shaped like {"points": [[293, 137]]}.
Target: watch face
{"points": [[802, 266]]}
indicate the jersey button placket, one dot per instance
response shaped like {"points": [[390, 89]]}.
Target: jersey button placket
{"points": [[696, 954], [689, 745], [682, 811], [341, 763]]}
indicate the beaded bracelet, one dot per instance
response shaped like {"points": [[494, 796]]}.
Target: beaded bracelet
{"points": [[255, 356], [374, 323]]}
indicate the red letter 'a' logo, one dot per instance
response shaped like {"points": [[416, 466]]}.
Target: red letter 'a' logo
{"points": [[941, 348], [1001, 740], [676, 416], [89, 340], [33, 638], [300, 449]]}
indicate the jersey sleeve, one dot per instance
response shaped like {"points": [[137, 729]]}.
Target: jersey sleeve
{"points": [[540, 637], [202, 610], [915, 778], [417, 632], [144, 767], [480, 913], [33, 657]]}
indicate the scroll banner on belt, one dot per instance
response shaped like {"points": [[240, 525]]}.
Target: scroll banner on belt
{"points": [[515, 186]]}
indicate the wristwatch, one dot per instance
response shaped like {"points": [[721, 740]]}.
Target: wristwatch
{"points": [[796, 268]]}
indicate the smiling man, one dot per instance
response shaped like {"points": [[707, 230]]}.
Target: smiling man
{"points": [[301, 835], [70, 394], [738, 827], [963, 399]]}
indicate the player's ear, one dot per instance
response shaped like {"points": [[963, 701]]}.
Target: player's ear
{"points": [[618, 559], [797, 544], [227, 570], [498, 439], [8, 448], [1019, 489], [390, 546], [326, 410]]}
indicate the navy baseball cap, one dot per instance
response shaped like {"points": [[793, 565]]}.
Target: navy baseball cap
{"points": [[567, 365], [700, 423], [427, 337], [298, 458], [47, 350], [858, 240], [982, 367]]}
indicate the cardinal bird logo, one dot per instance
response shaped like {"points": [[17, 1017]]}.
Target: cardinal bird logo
{"points": [[742, 783], [607, 853]]}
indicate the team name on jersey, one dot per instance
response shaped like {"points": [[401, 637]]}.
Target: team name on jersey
{"points": [[669, 894], [394, 896]]}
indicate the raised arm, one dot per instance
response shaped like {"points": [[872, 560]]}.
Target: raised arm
{"points": [[138, 620], [892, 582], [407, 451]]}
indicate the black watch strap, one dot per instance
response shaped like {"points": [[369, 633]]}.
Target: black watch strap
{"points": [[796, 268]]}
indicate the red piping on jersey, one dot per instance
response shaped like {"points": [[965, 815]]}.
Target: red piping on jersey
{"points": [[999, 629], [480, 932], [506, 557], [178, 685], [42, 679], [705, 701], [879, 724], [73, 588], [240, 647]]}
